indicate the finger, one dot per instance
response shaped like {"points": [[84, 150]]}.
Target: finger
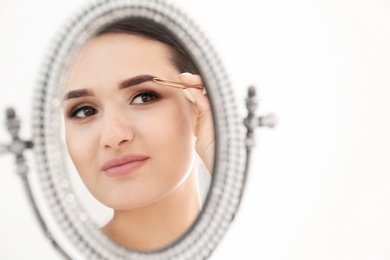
{"points": [[204, 129], [201, 101], [190, 79]]}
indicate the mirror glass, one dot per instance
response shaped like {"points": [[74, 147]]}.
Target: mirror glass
{"points": [[139, 149], [138, 128]]}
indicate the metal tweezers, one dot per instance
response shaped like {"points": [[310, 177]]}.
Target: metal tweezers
{"points": [[175, 84]]}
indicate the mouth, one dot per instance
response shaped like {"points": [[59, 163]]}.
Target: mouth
{"points": [[124, 165]]}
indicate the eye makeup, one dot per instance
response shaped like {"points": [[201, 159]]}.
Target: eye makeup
{"points": [[144, 97], [87, 109], [141, 97]]}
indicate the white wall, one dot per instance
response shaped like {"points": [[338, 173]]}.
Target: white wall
{"points": [[319, 183]]}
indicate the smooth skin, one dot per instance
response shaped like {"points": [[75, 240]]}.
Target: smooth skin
{"points": [[106, 120]]}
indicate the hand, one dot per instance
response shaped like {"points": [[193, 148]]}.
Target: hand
{"points": [[205, 143]]}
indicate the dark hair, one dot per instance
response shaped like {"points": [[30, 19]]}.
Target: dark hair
{"points": [[156, 32]]}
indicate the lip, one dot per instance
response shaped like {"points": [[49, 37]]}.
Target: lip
{"points": [[124, 165]]}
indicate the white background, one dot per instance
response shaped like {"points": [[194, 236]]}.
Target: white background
{"points": [[319, 186]]}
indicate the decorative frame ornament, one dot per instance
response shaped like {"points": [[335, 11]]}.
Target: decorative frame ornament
{"points": [[64, 220]]}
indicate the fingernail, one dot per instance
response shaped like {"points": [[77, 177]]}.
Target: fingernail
{"points": [[184, 73], [204, 91], [189, 96]]}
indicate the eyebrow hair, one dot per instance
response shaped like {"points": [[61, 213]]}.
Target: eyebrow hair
{"points": [[135, 81], [78, 93], [124, 84]]}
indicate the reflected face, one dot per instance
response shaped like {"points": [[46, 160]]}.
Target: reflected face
{"points": [[131, 140]]}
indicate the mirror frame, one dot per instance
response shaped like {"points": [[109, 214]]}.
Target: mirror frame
{"points": [[66, 222]]}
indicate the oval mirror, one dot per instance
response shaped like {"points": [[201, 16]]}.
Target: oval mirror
{"points": [[110, 101]]}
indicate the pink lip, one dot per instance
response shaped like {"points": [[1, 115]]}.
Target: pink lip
{"points": [[124, 165]]}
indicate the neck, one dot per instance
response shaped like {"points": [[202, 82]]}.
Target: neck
{"points": [[158, 224]]}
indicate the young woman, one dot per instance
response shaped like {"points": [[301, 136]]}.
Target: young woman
{"points": [[134, 140]]}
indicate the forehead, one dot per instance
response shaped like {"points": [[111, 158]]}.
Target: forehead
{"points": [[114, 56], [113, 40]]}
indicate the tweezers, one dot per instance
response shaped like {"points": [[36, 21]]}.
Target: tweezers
{"points": [[175, 84]]}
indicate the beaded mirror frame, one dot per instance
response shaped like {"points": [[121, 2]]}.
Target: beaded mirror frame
{"points": [[62, 216]]}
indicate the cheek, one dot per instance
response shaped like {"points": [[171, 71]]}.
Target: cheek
{"points": [[169, 134], [81, 148], [169, 124]]}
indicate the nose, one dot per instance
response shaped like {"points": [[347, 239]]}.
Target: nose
{"points": [[116, 131]]}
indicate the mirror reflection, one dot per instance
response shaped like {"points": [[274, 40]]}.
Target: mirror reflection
{"points": [[139, 131]]}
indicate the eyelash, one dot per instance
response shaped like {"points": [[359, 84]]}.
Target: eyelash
{"points": [[149, 93], [74, 111]]}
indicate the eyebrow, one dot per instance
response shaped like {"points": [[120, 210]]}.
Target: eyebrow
{"points": [[124, 84], [135, 81], [78, 93]]}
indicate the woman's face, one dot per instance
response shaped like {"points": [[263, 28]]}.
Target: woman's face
{"points": [[131, 140]]}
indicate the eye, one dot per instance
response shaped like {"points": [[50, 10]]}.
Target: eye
{"points": [[83, 112], [144, 97]]}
